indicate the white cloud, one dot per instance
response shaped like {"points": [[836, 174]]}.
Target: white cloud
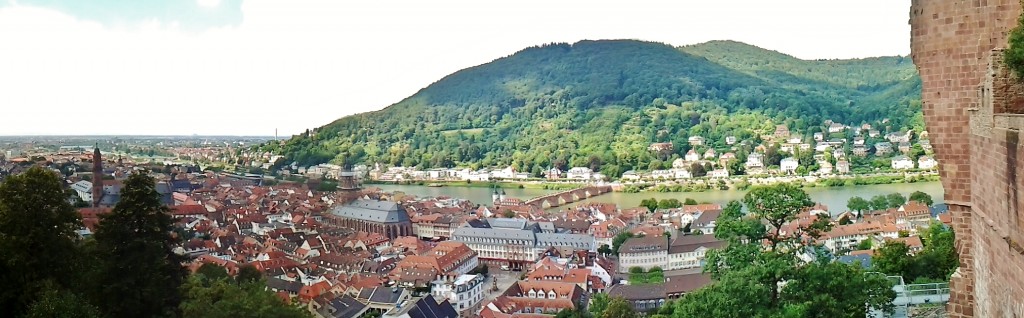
{"points": [[297, 64]]}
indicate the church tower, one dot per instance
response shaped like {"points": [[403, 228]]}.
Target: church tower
{"points": [[97, 176]]}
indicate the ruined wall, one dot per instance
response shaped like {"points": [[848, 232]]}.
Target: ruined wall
{"points": [[965, 96]]}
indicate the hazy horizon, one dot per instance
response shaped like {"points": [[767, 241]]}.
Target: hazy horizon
{"points": [[246, 68]]}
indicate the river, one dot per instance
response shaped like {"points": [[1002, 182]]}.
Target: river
{"points": [[833, 197]]}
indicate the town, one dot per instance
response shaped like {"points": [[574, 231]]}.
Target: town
{"points": [[834, 152], [350, 251]]}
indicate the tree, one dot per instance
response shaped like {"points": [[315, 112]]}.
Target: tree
{"points": [[247, 274], [669, 204], [690, 201], [222, 298], [895, 200], [619, 239], [879, 202], [619, 308], [858, 204], [845, 220], [598, 304], [759, 257], [604, 249], [698, 170], [1014, 54], [59, 302], [37, 238], [139, 273], [864, 245], [509, 214], [212, 271], [651, 204], [922, 197], [893, 258]]}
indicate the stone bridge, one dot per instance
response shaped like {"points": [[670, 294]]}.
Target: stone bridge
{"points": [[555, 200]]}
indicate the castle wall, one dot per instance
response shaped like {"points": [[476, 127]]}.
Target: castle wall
{"points": [[965, 103]]}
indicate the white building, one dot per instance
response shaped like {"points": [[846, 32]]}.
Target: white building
{"points": [[719, 173], [643, 252], [679, 163], [662, 174], [789, 165], [84, 190], [692, 155], [464, 292], [580, 173], [729, 140], [685, 251], [927, 162], [682, 173], [902, 163], [696, 140], [689, 251]]}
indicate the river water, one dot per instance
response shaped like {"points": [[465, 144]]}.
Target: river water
{"points": [[833, 197]]}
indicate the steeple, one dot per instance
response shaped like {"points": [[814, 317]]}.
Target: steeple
{"points": [[97, 176]]}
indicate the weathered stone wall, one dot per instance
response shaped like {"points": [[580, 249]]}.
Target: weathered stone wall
{"points": [[964, 101]]}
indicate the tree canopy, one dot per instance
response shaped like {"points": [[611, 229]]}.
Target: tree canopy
{"points": [[37, 241], [749, 273], [139, 270]]}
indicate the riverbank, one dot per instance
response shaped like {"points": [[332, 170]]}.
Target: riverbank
{"points": [[835, 198], [539, 185], [703, 185], [688, 185]]}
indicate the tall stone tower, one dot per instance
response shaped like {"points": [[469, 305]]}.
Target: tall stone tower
{"points": [[348, 180], [965, 93], [97, 176]]}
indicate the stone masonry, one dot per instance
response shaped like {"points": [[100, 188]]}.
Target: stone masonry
{"points": [[973, 109]]}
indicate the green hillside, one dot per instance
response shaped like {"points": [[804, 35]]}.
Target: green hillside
{"points": [[601, 103]]}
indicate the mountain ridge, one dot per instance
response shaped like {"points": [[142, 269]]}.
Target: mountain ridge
{"points": [[545, 105]]}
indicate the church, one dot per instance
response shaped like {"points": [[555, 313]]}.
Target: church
{"points": [[387, 218]]}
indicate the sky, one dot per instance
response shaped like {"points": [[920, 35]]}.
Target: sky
{"points": [[253, 67]]}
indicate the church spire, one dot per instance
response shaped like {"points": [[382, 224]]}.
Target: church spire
{"points": [[97, 176]]}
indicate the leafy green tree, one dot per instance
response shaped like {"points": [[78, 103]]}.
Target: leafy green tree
{"points": [[760, 256], [690, 201], [669, 204], [879, 202], [895, 200], [225, 299], [212, 271], [1014, 53], [619, 308], [651, 204], [858, 204], [939, 244], [598, 304], [619, 239], [698, 170], [37, 238], [604, 249], [864, 245], [139, 273], [845, 220], [247, 274], [893, 258], [922, 197], [59, 302], [848, 287]]}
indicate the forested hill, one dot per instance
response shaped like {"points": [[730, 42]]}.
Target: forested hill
{"points": [[602, 103]]}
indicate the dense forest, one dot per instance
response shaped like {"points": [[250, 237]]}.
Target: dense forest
{"points": [[600, 104]]}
